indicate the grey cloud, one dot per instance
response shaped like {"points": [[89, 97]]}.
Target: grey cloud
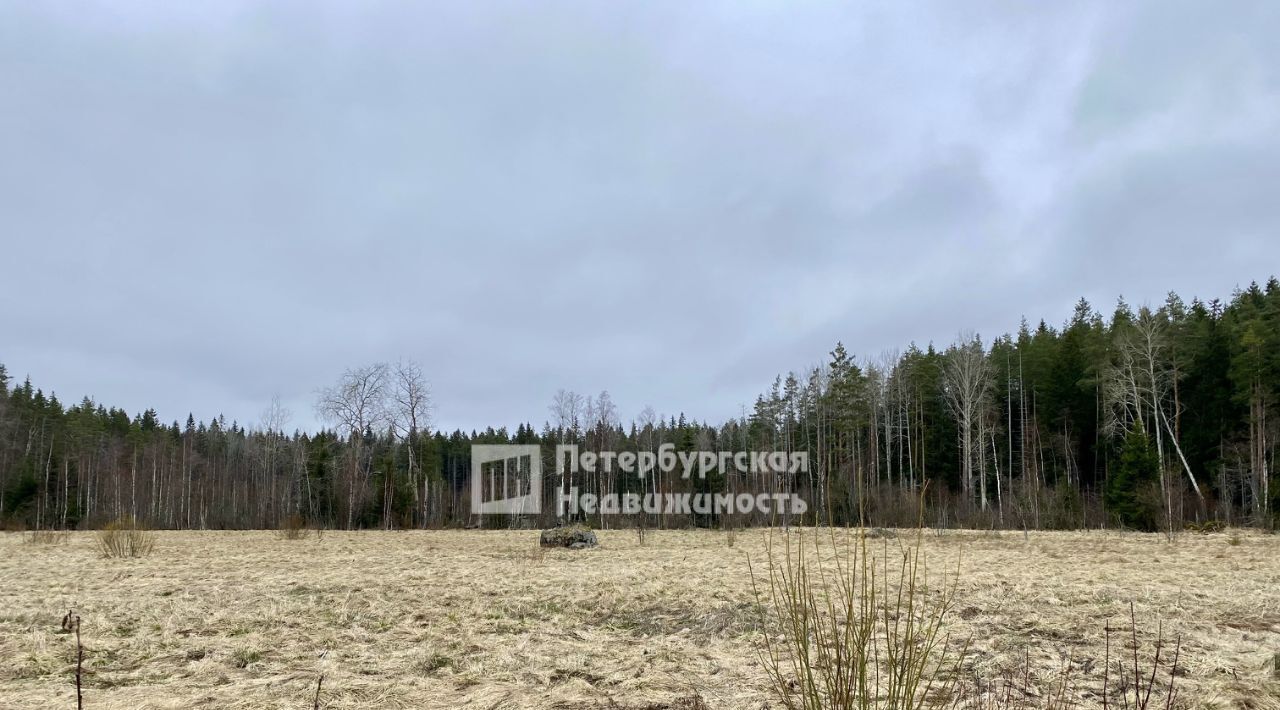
{"points": [[203, 205]]}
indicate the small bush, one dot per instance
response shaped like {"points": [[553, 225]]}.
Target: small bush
{"points": [[48, 537], [293, 527], [858, 632], [125, 538]]}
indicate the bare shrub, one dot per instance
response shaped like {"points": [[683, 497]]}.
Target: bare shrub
{"points": [[48, 537], [1136, 684], [1132, 680], [293, 527], [125, 538], [857, 632]]}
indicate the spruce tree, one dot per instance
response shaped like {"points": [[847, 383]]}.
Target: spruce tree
{"points": [[1129, 494]]}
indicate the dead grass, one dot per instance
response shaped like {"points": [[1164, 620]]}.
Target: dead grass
{"points": [[463, 619]]}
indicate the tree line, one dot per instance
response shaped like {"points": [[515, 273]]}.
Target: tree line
{"points": [[1147, 419]]}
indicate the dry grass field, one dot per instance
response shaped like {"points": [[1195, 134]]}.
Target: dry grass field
{"points": [[478, 620]]}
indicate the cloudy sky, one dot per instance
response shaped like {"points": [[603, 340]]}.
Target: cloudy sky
{"points": [[205, 204]]}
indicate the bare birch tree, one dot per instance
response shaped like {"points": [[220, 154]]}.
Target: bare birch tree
{"points": [[411, 419], [1136, 387], [274, 419], [356, 405], [967, 384], [566, 411]]}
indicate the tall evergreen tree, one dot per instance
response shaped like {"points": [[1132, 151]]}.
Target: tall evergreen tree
{"points": [[1131, 493]]}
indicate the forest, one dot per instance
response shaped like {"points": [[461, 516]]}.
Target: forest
{"points": [[1153, 418]]}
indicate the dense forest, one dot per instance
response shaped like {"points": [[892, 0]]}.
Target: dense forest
{"points": [[1146, 419]]}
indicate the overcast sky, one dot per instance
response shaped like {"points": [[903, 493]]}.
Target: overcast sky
{"points": [[203, 204]]}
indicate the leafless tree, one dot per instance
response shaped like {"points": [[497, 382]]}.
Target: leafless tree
{"points": [[411, 419], [356, 405], [1136, 387], [274, 419], [566, 408], [566, 411], [602, 418], [967, 383], [603, 412]]}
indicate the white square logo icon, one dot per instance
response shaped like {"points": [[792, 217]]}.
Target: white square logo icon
{"points": [[506, 479]]}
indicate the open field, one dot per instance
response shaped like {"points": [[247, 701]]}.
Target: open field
{"points": [[474, 619]]}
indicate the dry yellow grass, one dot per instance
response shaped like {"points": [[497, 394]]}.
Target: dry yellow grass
{"points": [[476, 620]]}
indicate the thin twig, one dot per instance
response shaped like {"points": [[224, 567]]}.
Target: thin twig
{"points": [[319, 682], [79, 664]]}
